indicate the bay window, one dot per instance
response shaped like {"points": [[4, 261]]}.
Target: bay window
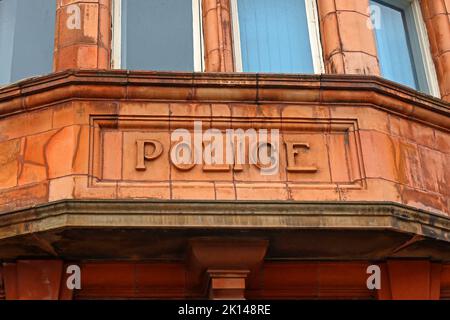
{"points": [[27, 30], [279, 36], [402, 44], [163, 35]]}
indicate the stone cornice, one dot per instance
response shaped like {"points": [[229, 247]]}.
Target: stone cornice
{"points": [[354, 90], [283, 215]]}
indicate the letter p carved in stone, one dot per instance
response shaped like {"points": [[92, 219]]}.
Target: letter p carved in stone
{"points": [[143, 155]]}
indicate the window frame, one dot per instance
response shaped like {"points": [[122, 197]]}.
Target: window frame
{"points": [[419, 44], [198, 41], [313, 30]]}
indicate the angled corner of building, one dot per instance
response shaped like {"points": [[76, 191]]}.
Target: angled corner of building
{"points": [[87, 175]]}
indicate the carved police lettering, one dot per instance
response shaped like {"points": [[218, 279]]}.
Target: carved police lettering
{"points": [[182, 156], [216, 167], [302, 153], [215, 155], [143, 155], [263, 154], [292, 150], [214, 149], [184, 151]]}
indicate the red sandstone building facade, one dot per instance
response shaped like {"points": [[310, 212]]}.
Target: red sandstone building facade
{"points": [[72, 191]]}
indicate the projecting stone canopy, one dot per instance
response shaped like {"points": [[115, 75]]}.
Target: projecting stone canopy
{"points": [[292, 230]]}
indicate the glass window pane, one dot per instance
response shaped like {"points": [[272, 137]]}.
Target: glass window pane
{"points": [[8, 10], [394, 51], [157, 35], [274, 36], [27, 31]]}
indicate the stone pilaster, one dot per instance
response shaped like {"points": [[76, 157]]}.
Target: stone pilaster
{"points": [[348, 42], [218, 36], [436, 14], [83, 34]]}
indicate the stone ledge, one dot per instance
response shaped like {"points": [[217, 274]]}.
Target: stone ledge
{"points": [[225, 215], [356, 90]]}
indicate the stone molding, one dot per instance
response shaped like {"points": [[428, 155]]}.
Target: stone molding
{"points": [[225, 214], [371, 91]]}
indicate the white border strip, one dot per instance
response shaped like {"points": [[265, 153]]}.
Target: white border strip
{"points": [[314, 35], [236, 36], [116, 45], [197, 36], [424, 43]]}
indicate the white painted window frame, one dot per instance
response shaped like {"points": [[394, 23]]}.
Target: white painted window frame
{"points": [[424, 43], [198, 42], [313, 30], [427, 62]]}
